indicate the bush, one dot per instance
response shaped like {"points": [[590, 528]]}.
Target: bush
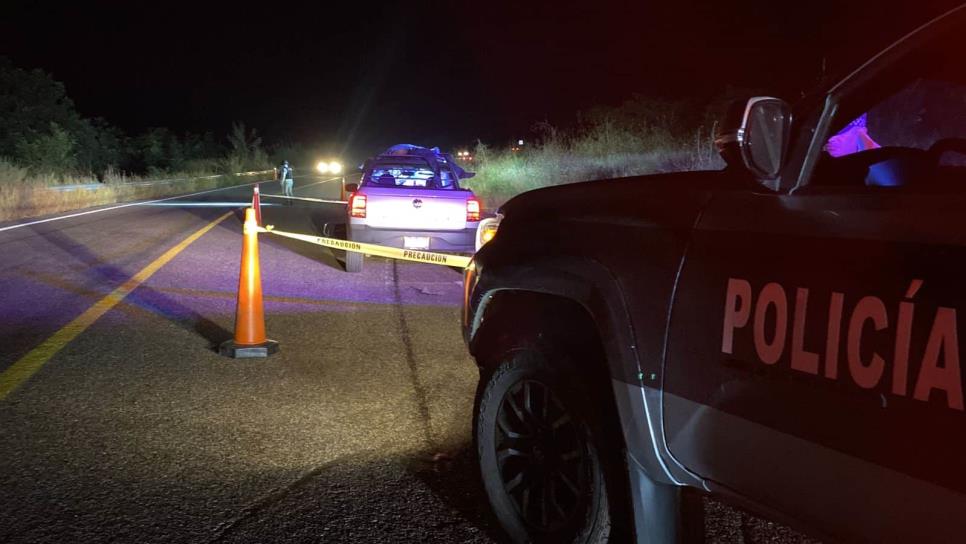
{"points": [[51, 152], [297, 155], [31, 103], [41, 130], [640, 137], [246, 150], [11, 174]]}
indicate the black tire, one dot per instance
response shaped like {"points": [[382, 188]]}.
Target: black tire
{"points": [[539, 442], [354, 261]]}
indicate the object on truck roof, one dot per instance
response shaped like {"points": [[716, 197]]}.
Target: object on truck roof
{"points": [[410, 149], [432, 155]]}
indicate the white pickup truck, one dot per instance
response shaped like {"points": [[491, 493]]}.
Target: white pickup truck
{"points": [[409, 197]]}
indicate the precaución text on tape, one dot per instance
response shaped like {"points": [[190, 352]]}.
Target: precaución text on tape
{"points": [[445, 259]]}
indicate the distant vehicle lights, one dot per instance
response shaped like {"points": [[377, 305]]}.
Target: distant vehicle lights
{"points": [[332, 167], [464, 156]]}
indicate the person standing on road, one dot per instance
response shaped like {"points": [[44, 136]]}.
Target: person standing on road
{"points": [[285, 175]]}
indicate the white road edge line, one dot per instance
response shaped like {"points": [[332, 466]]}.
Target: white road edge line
{"points": [[142, 203], [128, 205]]}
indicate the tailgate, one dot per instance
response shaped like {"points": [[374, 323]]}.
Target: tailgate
{"points": [[417, 209]]}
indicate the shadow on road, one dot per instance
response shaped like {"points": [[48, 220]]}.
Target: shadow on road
{"points": [[368, 498], [454, 478], [108, 276], [314, 220]]}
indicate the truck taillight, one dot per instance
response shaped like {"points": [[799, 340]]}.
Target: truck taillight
{"points": [[357, 205], [473, 209]]}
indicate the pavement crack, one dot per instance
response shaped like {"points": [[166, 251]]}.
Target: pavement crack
{"points": [[404, 332], [265, 500]]}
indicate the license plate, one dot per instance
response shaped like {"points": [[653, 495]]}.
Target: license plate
{"points": [[416, 242]]}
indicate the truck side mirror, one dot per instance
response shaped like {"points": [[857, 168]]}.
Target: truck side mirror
{"points": [[351, 187], [759, 136]]}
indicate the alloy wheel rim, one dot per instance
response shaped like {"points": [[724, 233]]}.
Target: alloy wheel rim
{"points": [[541, 456]]}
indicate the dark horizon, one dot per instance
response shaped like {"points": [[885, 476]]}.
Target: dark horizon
{"points": [[351, 78]]}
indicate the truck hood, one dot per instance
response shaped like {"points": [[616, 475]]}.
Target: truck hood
{"points": [[660, 198]]}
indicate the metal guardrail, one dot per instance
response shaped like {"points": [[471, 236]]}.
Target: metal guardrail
{"points": [[147, 183]]}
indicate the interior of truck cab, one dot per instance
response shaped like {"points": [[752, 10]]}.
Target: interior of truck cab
{"points": [[904, 129], [942, 167]]}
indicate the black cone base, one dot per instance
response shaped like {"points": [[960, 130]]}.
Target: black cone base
{"points": [[229, 348]]}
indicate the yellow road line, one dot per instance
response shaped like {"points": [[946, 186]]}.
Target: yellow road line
{"points": [[30, 363]]}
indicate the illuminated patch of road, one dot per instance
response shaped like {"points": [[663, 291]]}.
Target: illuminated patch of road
{"points": [[34, 360]]}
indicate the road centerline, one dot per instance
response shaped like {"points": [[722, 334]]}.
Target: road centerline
{"points": [[22, 370]]}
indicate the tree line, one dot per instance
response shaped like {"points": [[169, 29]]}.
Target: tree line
{"points": [[41, 130]]}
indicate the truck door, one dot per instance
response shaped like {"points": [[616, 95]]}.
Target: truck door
{"points": [[814, 360]]}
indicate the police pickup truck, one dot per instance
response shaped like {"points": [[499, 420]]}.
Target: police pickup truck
{"points": [[410, 197], [783, 334]]}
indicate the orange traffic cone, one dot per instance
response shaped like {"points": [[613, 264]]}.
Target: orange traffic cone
{"points": [[257, 205], [249, 338]]}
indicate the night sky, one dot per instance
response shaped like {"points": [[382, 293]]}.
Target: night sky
{"points": [[360, 75]]}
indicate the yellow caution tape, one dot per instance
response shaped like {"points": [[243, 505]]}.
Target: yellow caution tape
{"points": [[305, 198], [414, 255]]}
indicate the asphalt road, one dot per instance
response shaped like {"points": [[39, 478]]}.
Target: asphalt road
{"points": [[133, 429]]}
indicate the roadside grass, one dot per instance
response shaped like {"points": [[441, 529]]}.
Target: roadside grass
{"points": [[24, 195], [636, 139], [603, 151]]}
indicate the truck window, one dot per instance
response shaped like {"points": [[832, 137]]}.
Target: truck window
{"points": [[908, 130], [919, 115], [400, 175], [445, 178]]}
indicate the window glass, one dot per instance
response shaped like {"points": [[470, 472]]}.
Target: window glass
{"points": [[905, 129], [921, 114], [400, 175], [445, 178]]}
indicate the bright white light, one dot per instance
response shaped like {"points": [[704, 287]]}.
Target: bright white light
{"points": [[322, 167], [335, 167], [519, 142]]}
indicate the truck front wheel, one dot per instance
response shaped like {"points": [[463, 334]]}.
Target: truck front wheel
{"points": [[541, 452]]}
